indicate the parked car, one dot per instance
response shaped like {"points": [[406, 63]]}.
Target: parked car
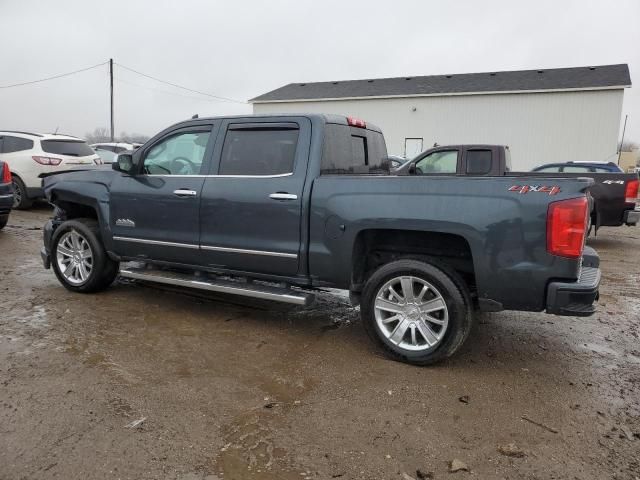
{"points": [[109, 150], [107, 156], [580, 167], [275, 206], [614, 193], [116, 147], [6, 194], [31, 154], [396, 161]]}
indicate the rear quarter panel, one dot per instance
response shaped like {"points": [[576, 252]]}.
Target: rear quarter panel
{"points": [[505, 230]]}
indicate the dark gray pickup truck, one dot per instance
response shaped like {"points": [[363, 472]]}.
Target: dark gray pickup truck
{"points": [[274, 207], [614, 194]]}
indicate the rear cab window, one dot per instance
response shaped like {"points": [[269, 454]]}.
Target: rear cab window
{"points": [[353, 150], [72, 148]]}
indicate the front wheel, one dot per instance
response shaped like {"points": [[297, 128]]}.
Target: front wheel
{"points": [[416, 311], [78, 257]]}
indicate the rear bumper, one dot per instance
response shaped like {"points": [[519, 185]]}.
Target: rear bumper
{"points": [[577, 298], [631, 217]]}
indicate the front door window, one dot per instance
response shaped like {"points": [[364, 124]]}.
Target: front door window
{"points": [[181, 154], [438, 162]]}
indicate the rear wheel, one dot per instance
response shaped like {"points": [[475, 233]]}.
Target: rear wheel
{"points": [[20, 199], [79, 259], [416, 311], [3, 221]]}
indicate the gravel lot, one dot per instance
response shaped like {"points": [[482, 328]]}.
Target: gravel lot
{"points": [[236, 390]]}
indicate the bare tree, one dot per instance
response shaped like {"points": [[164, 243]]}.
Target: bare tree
{"points": [[628, 146], [99, 134], [102, 134]]}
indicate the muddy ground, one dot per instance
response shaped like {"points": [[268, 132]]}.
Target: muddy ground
{"points": [[234, 390]]}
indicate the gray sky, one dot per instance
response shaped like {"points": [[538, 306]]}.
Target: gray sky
{"points": [[241, 49]]}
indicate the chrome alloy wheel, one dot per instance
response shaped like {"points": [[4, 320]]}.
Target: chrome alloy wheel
{"points": [[17, 194], [74, 257], [411, 313]]}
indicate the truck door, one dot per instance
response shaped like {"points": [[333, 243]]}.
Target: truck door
{"points": [[154, 213], [251, 210]]}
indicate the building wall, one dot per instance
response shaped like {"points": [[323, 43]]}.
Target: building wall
{"points": [[538, 127]]}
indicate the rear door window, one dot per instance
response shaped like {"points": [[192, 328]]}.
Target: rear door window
{"points": [[259, 149], [72, 148], [16, 144], [478, 162]]}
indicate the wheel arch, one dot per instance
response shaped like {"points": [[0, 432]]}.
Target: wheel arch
{"points": [[82, 202], [375, 247]]}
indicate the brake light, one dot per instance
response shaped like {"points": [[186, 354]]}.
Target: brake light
{"points": [[631, 191], [47, 160], [566, 227], [6, 174], [356, 122]]}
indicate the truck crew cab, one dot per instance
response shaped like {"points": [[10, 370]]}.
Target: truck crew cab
{"points": [[275, 206]]}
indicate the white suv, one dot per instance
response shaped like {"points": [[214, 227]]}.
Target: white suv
{"points": [[30, 154], [108, 151]]}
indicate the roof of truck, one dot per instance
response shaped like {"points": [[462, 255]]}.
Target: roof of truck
{"points": [[324, 117], [519, 81]]}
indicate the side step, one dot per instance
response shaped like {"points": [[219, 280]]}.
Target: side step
{"points": [[263, 292]]}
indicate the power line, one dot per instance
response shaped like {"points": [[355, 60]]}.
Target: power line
{"points": [[164, 91], [180, 86], [53, 77]]}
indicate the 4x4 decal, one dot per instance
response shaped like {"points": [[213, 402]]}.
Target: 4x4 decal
{"points": [[550, 189]]}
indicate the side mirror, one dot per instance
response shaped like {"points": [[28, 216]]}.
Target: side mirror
{"points": [[123, 163]]}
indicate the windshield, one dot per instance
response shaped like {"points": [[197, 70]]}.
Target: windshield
{"points": [[72, 148]]}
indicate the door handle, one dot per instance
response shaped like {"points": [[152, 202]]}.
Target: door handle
{"points": [[183, 192], [283, 196]]}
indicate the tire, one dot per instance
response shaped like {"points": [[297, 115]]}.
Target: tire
{"points": [[20, 199], [427, 339], [3, 221], [69, 243]]}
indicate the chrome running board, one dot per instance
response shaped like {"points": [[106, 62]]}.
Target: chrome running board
{"points": [[203, 282]]}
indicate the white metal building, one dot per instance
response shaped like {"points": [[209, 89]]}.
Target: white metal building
{"points": [[544, 116]]}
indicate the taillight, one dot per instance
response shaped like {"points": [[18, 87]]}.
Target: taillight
{"points": [[566, 227], [631, 191], [356, 122], [47, 160], [6, 174]]}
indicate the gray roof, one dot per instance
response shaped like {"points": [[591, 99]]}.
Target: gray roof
{"points": [[596, 77]]}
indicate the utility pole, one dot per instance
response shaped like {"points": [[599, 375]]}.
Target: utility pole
{"points": [[111, 91], [624, 129]]}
